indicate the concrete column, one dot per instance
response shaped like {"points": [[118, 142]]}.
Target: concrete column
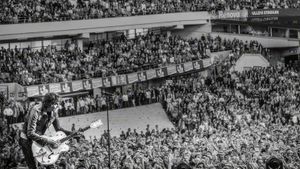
{"points": [[287, 33], [169, 33], [80, 44]]}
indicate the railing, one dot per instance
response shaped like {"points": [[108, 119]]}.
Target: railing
{"points": [[117, 80]]}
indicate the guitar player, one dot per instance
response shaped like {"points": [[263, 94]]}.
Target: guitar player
{"points": [[37, 121]]}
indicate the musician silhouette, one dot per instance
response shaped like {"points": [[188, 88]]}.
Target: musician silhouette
{"points": [[179, 68], [141, 76], [106, 82], [44, 90], [159, 73], [37, 121], [66, 88], [196, 65], [87, 85]]}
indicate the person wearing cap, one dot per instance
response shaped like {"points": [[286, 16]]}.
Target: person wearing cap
{"points": [[37, 121]]}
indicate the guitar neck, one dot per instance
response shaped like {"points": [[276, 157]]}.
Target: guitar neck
{"points": [[73, 134]]}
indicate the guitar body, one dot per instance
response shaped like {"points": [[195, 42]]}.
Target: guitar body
{"points": [[46, 155]]}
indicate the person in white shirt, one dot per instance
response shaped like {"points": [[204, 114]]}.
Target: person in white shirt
{"points": [[81, 104], [8, 113], [103, 103], [148, 96], [125, 100]]}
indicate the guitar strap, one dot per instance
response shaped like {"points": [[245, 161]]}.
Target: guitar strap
{"points": [[50, 120]]}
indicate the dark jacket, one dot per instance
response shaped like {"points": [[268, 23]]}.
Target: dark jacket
{"points": [[37, 122]]}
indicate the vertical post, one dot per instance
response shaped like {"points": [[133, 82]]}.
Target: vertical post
{"points": [[298, 51], [178, 115], [108, 131], [287, 33], [214, 72]]}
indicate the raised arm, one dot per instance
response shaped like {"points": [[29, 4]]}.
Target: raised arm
{"points": [[57, 126]]}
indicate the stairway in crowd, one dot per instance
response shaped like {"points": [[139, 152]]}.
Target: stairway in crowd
{"points": [[120, 119], [247, 61]]}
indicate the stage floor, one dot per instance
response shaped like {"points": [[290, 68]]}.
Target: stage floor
{"points": [[120, 119]]}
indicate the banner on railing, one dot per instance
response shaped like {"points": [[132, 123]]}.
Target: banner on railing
{"points": [[180, 68], [142, 76], [88, 84], [97, 82], [107, 82], [44, 89], [66, 87], [4, 90], [230, 14], [122, 80], [274, 12], [197, 65], [161, 72], [55, 88], [77, 85]]}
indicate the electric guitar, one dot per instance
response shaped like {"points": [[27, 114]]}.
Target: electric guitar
{"points": [[46, 155]]}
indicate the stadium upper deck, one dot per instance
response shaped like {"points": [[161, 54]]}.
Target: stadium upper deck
{"points": [[30, 11]]}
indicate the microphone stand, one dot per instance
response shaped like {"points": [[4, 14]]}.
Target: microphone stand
{"points": [[108, 129]]}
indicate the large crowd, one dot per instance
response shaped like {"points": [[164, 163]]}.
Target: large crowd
{"points": [[244, 119], [227, 120], [17, 11], [219, 123], [230, 120], [11, 154], [121, 55]]}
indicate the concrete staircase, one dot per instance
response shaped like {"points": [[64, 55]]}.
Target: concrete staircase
{"points": [[249, 61]]}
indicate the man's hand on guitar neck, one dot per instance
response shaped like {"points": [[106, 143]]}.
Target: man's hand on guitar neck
{"points": [[79, 132], [53, 144]]}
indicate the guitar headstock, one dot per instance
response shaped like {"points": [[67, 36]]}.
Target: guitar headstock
{"points": [[96, 124]]}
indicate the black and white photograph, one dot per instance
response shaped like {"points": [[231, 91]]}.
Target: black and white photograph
{"points": [[149, 84]]}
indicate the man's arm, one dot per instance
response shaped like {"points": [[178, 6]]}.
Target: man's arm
{"points": [[31, 128], [57, 126]]}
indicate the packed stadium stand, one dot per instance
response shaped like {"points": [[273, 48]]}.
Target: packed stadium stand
{"points": [[15, 11], [185, 84]]}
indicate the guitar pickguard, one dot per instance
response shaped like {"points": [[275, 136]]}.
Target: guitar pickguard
{"points": [[46, 155]]}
